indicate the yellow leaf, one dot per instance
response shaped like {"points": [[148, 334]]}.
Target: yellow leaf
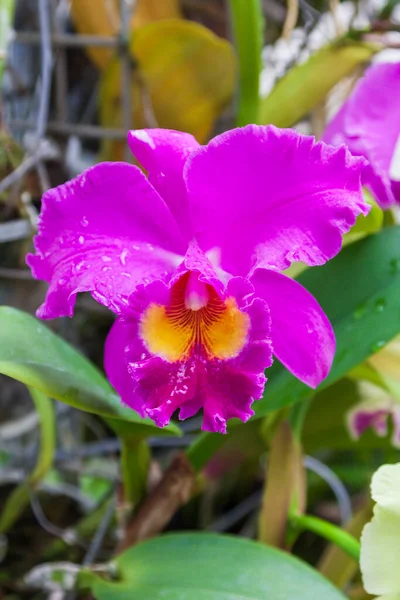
{"points": [[102, 17], [99, 17], [147, 11], [185, 78]]}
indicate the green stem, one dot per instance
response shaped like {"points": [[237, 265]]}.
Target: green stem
{"points": [[247, 26], [297, 415], [135, 461], [330, 532]]}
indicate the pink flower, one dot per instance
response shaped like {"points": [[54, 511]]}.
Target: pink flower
{"points": [[189, 260], [374, 413], [369, 124]]}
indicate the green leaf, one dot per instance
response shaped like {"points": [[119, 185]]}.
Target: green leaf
{"points": [[135, 461], [210, 567], [247, 25], [19, 498], [31, 353], [359, 291], [325, 424], [306, 85]]}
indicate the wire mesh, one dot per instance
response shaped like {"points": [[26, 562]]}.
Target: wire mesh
{"points": [[27, 105]]}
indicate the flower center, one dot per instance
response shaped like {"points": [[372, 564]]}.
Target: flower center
{"points": [[196, 319]]}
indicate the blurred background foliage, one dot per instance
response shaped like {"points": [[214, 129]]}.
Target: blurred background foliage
{"points": [[79, 474]]}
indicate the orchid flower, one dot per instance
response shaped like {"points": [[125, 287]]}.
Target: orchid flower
{"points": [[381, 403], [369, 124], [189, 259], [380, 548], [374, 413]]}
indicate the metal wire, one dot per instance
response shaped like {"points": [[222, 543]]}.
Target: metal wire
{"points": [[337, 487], [53, 38], [98, 537], [46, 64]]}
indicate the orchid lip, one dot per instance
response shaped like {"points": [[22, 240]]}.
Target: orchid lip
{"points": [[195, 320]]}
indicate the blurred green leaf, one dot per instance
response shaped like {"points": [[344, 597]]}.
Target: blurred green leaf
{"points": [[135, 462], [373, 221], [367, 372], [359, 291], [306, 85], [247, 25], [19, 498], [325, 425], [6, 20], [209, 567], [31, 353]]}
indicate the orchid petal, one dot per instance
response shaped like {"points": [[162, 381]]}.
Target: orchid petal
{"points": [[163, 153], [380, 553], [266, 197], [369, 123], [103, 232], [374, 413], [116, 349], [385, 488], [302, 336]]}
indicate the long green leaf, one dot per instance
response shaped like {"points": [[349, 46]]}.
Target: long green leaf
{"points": [[210, 567], [31, 353], [306, 85], [359, 291], [247, 25]]}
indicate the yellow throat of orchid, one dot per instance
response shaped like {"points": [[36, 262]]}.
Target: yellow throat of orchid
{"points": [[195, 317]]}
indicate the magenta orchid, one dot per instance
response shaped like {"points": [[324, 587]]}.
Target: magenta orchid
{"points": [[375, 413], [190, 258], [369, 124]]}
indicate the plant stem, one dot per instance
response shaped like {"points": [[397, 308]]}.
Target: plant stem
{"points": [[247, 29], [330, 532]]}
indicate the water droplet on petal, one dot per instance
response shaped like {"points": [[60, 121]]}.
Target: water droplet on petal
{"points": [[360, 311], [84, 222], [123, 256], [79, 266], [378, 345], [81, 239], [380, 305], [61, 281]]}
